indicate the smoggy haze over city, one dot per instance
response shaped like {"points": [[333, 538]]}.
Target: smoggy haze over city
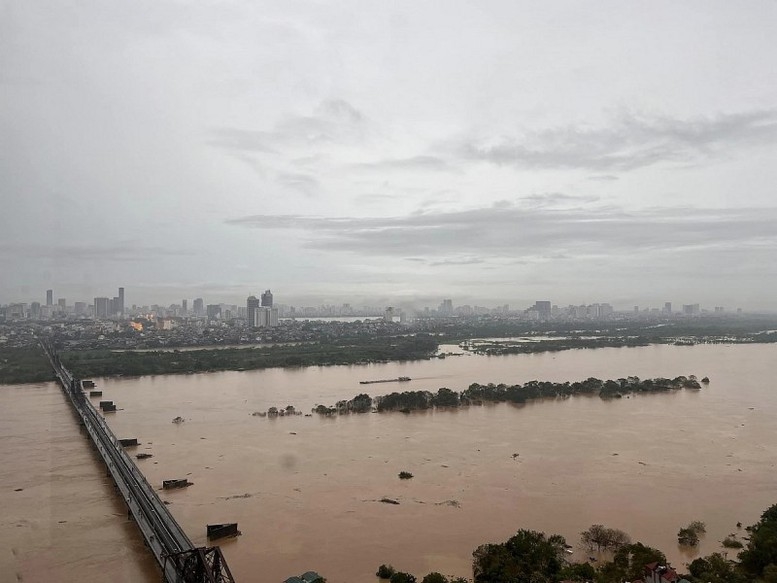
{"points": [[494, 151]]}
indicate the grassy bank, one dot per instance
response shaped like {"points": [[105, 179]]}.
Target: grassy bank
{"points": [[96, 363], [24, 365]]}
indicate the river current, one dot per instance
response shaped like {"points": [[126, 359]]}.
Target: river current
{"points": [[306, 491]]}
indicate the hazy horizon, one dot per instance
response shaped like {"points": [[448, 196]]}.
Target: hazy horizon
{"points": [[497, 152]]}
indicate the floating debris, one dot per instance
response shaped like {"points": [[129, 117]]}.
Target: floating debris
{"points": [[178, 419], [388, 501]]}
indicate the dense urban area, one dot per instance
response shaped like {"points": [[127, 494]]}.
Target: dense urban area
{"points": [[107, 338]]}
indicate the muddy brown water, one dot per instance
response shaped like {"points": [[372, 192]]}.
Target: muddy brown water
{"points": [[305, 490]]}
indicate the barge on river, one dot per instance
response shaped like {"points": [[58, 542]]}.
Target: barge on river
{"points": [[396, 380]]}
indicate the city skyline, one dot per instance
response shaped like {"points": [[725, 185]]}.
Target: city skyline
{"points": [[508, 152], [105, 307]]}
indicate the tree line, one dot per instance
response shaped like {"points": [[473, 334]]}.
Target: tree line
{"points": [[477, 394]]}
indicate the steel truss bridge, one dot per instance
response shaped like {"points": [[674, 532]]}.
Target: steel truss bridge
{"points": [[179, 559]]}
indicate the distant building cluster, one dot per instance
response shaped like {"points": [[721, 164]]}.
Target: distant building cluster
{"points": [[262, 312]]}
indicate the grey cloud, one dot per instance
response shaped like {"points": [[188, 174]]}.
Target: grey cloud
{"points": [[333, 121], [520, 233], [303, 183], [470, 261], [411, 163], [631, 142], [115, 252], [557, 198]]}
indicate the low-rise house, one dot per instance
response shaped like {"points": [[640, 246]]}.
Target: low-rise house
{"points": [[657, 573]]}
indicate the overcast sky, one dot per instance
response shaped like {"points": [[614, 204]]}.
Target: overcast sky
{"points": [[489, 151]]}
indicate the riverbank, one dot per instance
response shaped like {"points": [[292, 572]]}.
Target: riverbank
{"points": [[106, 363]]}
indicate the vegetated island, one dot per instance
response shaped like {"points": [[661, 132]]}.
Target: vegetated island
{"points": [[477, 394]]}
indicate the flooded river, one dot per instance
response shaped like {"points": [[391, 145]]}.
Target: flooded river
{"points": [[305, 490]]}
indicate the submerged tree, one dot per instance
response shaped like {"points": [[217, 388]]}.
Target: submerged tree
{"points": [[601, 538]]}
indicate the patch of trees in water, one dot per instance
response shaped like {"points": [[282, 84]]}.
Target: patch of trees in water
{"points": [[557, 345], [533, 557], [477, 394]]}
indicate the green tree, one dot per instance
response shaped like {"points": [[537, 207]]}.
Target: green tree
{"points": [[761, 550], [578, 572], [715, 568], [435, 577], [628, 563], [385, 571], [526, 557]]}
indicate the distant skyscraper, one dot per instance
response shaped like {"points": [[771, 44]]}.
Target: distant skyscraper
{"points": [[184, 305], [543, 308], [213, 311], [49, 297], [267, 299], [80, 308], [198, 307], [61, 304], [35, 310], [101, 307], [446, 307], [252, 306], [120, 304], [668, 307]]}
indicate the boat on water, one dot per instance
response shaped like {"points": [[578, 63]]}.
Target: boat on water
{"points": [[396, 380]]}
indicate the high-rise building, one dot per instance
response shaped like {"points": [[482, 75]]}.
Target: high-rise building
{"points": [[101, 307], [61, 304], [35, 310], [199, 307], [213, 311], [446, 307], [80, 308], [184, 307], [265, 317], [252, 305], [119, 307], [543, 308], [667, 307], [267, 299], [49, 297]]}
